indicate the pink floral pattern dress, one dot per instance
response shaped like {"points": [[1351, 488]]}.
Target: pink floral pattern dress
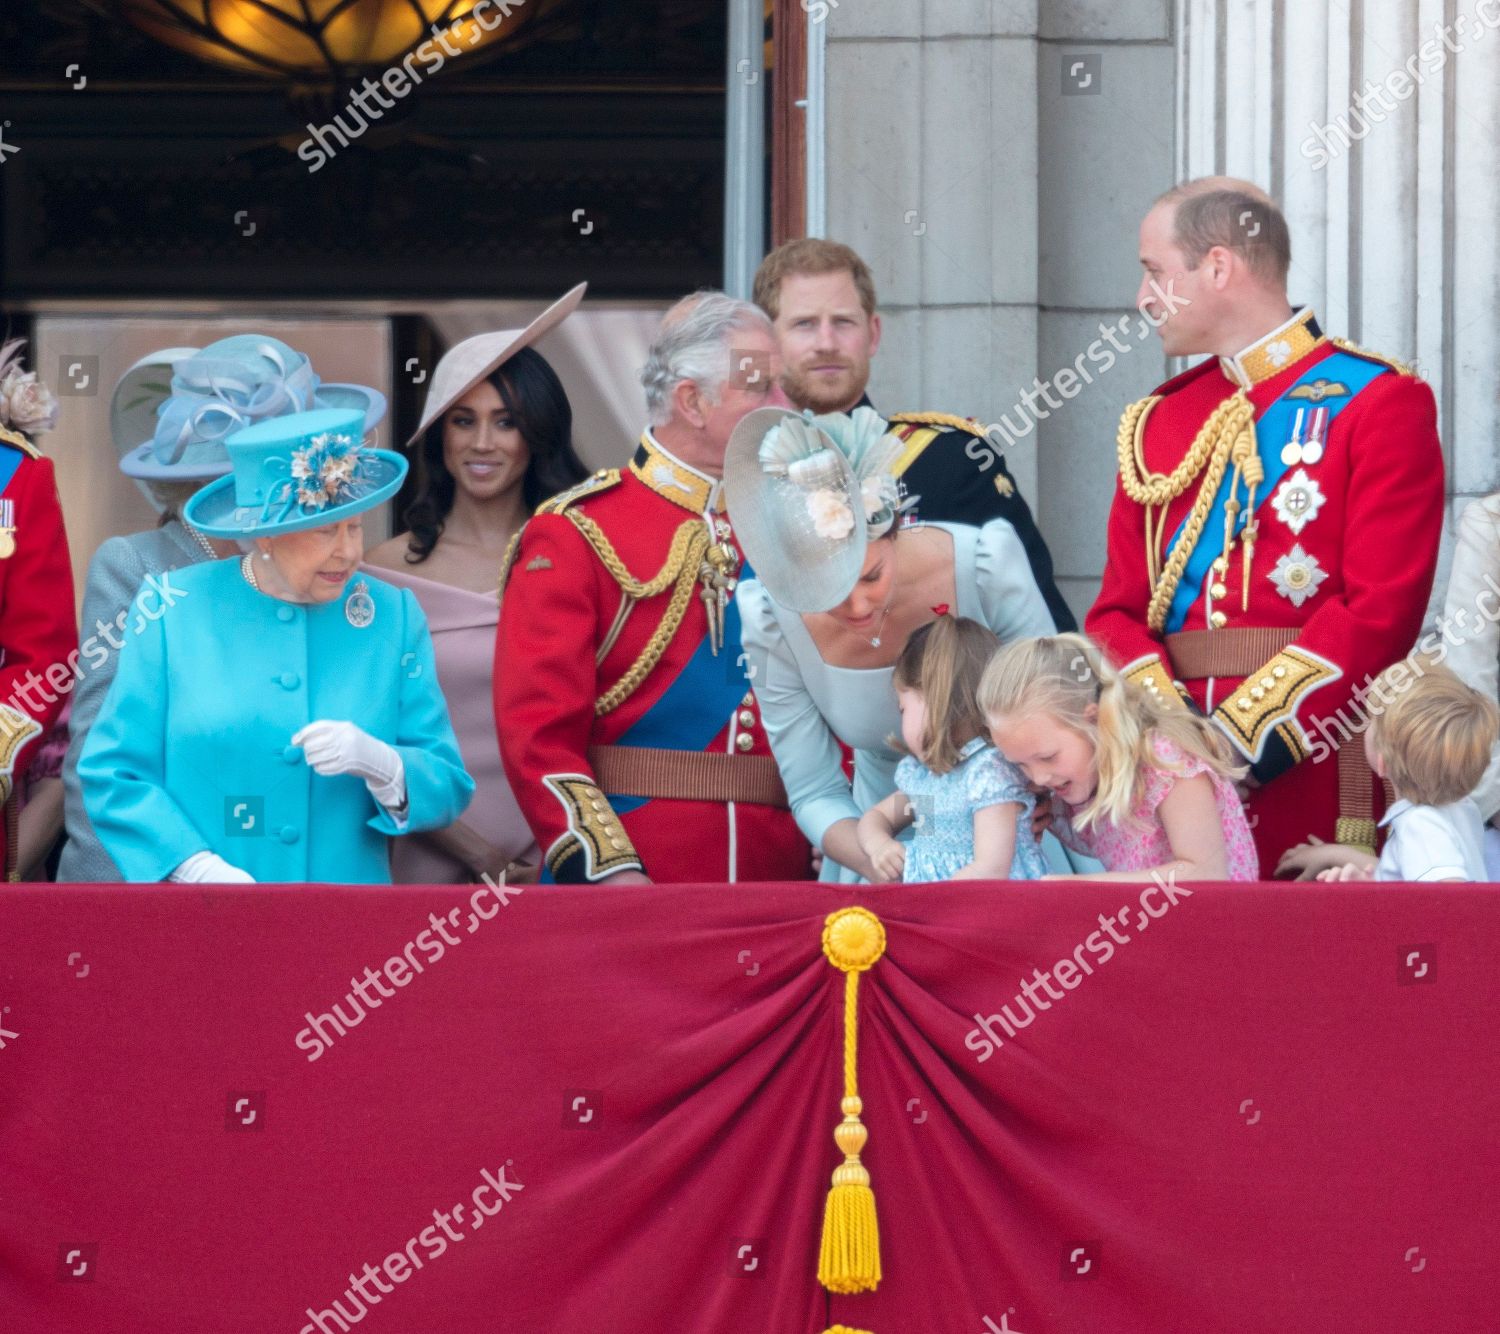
{"points": [[1141, 842]]}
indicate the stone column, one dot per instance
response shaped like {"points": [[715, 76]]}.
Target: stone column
{"points": [[997, 205], [1377, 124]]}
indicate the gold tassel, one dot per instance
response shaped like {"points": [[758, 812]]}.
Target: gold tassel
{"points": [[849, 1259]]}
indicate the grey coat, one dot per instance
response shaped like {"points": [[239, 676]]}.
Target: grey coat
{"points": [[115, 575]]}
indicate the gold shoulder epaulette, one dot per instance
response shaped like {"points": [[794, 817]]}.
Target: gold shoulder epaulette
{"points": [[1400, 367], [939, 419], [20, 442], [590, 486]]}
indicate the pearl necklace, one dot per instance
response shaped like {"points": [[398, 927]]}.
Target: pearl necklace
{"points": [[203, 542], [247, 568]]}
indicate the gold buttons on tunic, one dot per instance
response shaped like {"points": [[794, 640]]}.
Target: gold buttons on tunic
{"points": [[744, 741], [1219, 591], [747, 718], [748, 700], [1218, 620]]}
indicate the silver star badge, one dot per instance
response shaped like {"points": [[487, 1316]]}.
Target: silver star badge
{"points": [[1297, 575], [1298, 500]]}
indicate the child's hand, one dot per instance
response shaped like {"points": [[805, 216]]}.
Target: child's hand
{"points": [[889, 859], [1306, 860], [1348, 871], [1042, 814]]}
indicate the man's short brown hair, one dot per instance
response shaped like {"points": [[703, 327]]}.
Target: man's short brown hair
{"points": [[810, 254], [1222, 211]]}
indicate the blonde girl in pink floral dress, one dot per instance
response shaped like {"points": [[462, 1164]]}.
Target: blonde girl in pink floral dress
{"points": [[1145, 786]]}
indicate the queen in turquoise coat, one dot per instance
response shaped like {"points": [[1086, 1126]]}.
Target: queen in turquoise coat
{"points": [[268, 722]]}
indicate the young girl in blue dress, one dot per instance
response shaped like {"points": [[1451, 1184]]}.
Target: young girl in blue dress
{"points": [[970, 808]]}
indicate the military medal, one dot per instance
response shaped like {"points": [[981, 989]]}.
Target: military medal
{"points": [[7, 529], [1297, 575], [359, 606], [1308, 449], [1298, 500]]}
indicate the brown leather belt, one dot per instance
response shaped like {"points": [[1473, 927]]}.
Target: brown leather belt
{"points": [[1198, 654], [687, 775]]}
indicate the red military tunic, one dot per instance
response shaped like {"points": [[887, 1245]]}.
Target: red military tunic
{"points": [[1344, 539], [605, 642], [38, 629]]}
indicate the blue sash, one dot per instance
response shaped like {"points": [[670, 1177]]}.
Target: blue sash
{"points": [[10, 463], [697, 706], [694, 709], [1272, 430]]}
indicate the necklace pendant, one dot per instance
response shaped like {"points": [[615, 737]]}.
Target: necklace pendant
{"points": [[359, 606], [875, 643]]}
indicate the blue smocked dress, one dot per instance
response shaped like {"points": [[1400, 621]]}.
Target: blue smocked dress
{"points": [[943, 807], [809, 707]]}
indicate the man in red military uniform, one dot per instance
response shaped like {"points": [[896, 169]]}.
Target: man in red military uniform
{"points": [[628, 728], [38, 633], [1275, 530]]}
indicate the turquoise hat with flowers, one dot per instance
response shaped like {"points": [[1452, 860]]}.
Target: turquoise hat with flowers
{"points": [[291, 473]]}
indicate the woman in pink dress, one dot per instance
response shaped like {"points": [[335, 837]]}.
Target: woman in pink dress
{"points": [[496, 439]]}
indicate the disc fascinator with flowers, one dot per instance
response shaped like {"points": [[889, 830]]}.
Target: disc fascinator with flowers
{"points": [[26, 404], [300, 471], [807, 495]]}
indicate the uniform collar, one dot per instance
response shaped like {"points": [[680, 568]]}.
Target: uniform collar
{"points": [[1276, 351], [661, 471]]}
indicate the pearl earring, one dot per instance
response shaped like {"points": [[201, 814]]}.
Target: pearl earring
{"points": [[265, 555]]}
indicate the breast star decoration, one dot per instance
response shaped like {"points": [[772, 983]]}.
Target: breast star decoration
{"points": [[1297, 575], [1298, 500]]}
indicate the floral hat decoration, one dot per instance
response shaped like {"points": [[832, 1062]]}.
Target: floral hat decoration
{"points": [[26, 404], [807, 495], [291, 473]]}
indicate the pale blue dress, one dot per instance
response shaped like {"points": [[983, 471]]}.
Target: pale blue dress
{"points": [[809, 707], [943, 807]]}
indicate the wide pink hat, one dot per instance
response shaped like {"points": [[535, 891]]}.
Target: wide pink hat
{"points": [[472, 360]]}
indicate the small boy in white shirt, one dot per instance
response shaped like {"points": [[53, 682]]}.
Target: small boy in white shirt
{"points": [[1432, 742]]}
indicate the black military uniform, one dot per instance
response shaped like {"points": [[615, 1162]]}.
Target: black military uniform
{"points": [[959, 475]]}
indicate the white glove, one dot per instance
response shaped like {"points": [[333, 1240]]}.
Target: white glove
{"points": [[343, 748], [208, 868]]}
